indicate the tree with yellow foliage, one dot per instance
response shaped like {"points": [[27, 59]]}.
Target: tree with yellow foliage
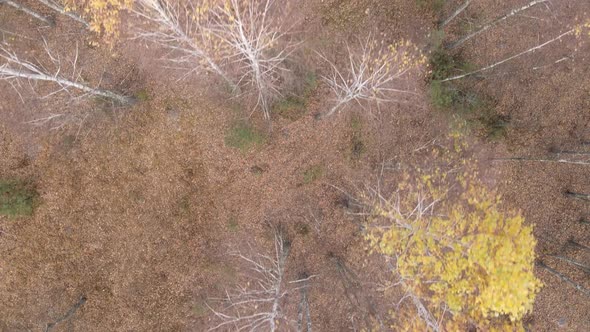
{"points": [[104, 16], [460, 259]]}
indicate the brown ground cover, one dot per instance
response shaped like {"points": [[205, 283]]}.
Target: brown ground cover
{"points": [[138, 208]]}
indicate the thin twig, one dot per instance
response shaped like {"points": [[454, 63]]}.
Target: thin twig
{"points": [[371, 76], [257, 305], [185, 35]]}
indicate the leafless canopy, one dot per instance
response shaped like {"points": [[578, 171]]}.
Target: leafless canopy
{"points": [[184, 30], [373, 74], [239, 40], [14, 69], [255, 36], [63, 73], [257, 304]]}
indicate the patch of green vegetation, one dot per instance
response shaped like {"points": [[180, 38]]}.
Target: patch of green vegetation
{"points": [[258, 170], [311, 83], [136, 195], [17, 198], [442, 95], [185, 204], [357, 145], [293, 107], [312, 174], [243, 136], [200, 308], [433, 5], [302, 228], [142, 95], [232, 223], [175, 103], [477, 111], [492, 125]]}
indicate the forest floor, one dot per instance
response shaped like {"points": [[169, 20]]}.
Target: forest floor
{"points": [[139, 208]]}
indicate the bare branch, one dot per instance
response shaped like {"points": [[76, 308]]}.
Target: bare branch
{"points": [[572, 262], [60, 9], [558, 161], [426, 316], [28, 11], [564, 278], [304, 316], [15, 68], [532, 49], [457, 12], [581, 196], [494, 22]]}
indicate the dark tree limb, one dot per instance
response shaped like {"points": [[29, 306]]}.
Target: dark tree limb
{"points": [[581, 196], [572, 262], [67, 315], [563, 278]]}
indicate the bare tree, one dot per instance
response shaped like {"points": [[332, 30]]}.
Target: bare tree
{"points": [[257, 305], [241, 37], [27, 11], [15, 69], [184, 31], [256, 36], [373, 73]]}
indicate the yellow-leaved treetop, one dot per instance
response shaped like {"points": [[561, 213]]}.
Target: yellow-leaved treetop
{"points": [[103, 15], [460, 259]]}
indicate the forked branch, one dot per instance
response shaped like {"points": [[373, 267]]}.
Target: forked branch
{"points": [[373, 74]]}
